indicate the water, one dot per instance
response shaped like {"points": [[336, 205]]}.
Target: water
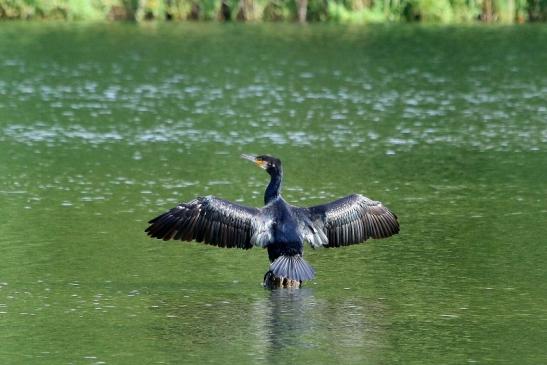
{"points": [[104, 126]]}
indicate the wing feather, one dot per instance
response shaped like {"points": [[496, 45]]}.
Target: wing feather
{"points": [[353, 219], [209, 220]]}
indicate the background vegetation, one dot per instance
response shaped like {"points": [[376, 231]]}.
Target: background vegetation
{"points": [[347, 11]]}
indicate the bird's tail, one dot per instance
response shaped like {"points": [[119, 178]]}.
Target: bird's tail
{"points": [[292, 267]]}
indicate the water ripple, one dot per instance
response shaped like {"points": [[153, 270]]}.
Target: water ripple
{"points": [[490, 135]]}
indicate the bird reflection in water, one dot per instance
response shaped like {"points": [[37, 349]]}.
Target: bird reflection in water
{"points": [[280, 326], [292, 323]]}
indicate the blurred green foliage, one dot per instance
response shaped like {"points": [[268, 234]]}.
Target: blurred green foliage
{"points": [[345, 11]]}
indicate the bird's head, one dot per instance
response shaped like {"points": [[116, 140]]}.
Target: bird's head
{"points": [[271, 164]]}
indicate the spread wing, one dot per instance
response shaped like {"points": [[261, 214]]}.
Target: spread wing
{"points": [[352, 220], [209, 220]]}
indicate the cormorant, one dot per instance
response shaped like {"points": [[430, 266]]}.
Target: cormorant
{"points": [[278, 226]]}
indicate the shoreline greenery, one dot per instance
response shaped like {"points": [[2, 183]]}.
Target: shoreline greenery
{"points": [[341, 11]]}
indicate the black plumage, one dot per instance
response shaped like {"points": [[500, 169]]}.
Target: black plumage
{"points": [[353, 219], [206, 219], [278, 226]]}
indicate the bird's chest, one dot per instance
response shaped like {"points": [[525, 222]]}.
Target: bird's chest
{"points": [[285, 230]]}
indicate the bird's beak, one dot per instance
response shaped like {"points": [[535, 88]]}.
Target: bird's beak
{"points": [[252, 158], [249, 157]]}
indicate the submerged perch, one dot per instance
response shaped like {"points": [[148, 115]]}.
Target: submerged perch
{"points": [[278, 226], [273, 282]]}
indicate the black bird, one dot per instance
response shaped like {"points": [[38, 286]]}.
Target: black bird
{"points": [[278, 226]]}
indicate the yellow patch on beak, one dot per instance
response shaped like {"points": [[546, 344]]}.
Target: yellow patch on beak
{"points": [[262, 164]]}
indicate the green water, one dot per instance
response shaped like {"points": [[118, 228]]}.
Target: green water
{"points": [[104, 126]]}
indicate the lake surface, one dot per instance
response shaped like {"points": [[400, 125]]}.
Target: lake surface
{"points": [[102, 127]]}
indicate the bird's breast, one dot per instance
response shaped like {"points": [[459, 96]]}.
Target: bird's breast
{"points": [[279, 226], [286, 232]]}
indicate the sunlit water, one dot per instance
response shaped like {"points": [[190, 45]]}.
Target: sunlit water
{"points": [[104, 126]]}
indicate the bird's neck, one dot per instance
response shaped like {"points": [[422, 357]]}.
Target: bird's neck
{"points": [[274, 187]]}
